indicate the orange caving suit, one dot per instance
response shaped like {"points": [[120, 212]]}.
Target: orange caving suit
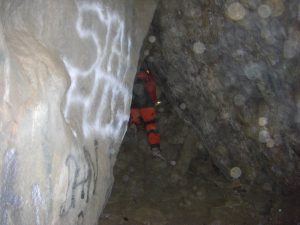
{"points": [[142, 106]]}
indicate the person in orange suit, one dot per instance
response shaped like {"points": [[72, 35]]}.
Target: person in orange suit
{"points": [[143, 110]]}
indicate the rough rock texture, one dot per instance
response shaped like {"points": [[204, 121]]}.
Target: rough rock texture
{"points": [[66, 72], [192, 191], [232, 70]]}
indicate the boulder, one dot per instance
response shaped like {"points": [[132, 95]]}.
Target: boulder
{"points": [[234, 65], [66, 74]]}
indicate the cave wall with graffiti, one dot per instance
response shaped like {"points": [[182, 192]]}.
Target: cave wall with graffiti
{"points": [[66, 74]]}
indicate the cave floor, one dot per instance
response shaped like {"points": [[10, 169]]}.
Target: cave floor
{"points": [[149, 191]]}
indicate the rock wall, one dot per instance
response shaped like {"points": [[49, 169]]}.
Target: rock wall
{"points": [[232, 70], [66, 73]]}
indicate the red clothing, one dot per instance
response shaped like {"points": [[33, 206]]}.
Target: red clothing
{"points": [[142, 108], [150, 84], [147, 115]]}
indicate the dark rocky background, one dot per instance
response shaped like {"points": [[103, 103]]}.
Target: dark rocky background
{"points": [[229, 80]]}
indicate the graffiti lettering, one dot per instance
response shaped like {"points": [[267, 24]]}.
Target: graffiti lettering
{"points": [[101, 111], [84, 178], [73, 183], [108, 72], [80, 218]]}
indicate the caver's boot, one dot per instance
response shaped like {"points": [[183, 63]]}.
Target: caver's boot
{"points": [[156, 153]]}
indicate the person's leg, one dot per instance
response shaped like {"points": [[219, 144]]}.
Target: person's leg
{"points": [[148, 115]]}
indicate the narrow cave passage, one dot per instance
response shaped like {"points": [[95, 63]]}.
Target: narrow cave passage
{"points": [[193, 191], [228, 119], [228, 78]]}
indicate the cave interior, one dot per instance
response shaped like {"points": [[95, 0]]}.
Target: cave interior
{"points": [[227, 82]]}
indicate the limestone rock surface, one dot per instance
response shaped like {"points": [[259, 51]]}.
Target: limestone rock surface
{"points": [[66, 73], [232, 70]]}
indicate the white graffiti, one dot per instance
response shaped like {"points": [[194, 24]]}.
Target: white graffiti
{"points": [[104, 108]]}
